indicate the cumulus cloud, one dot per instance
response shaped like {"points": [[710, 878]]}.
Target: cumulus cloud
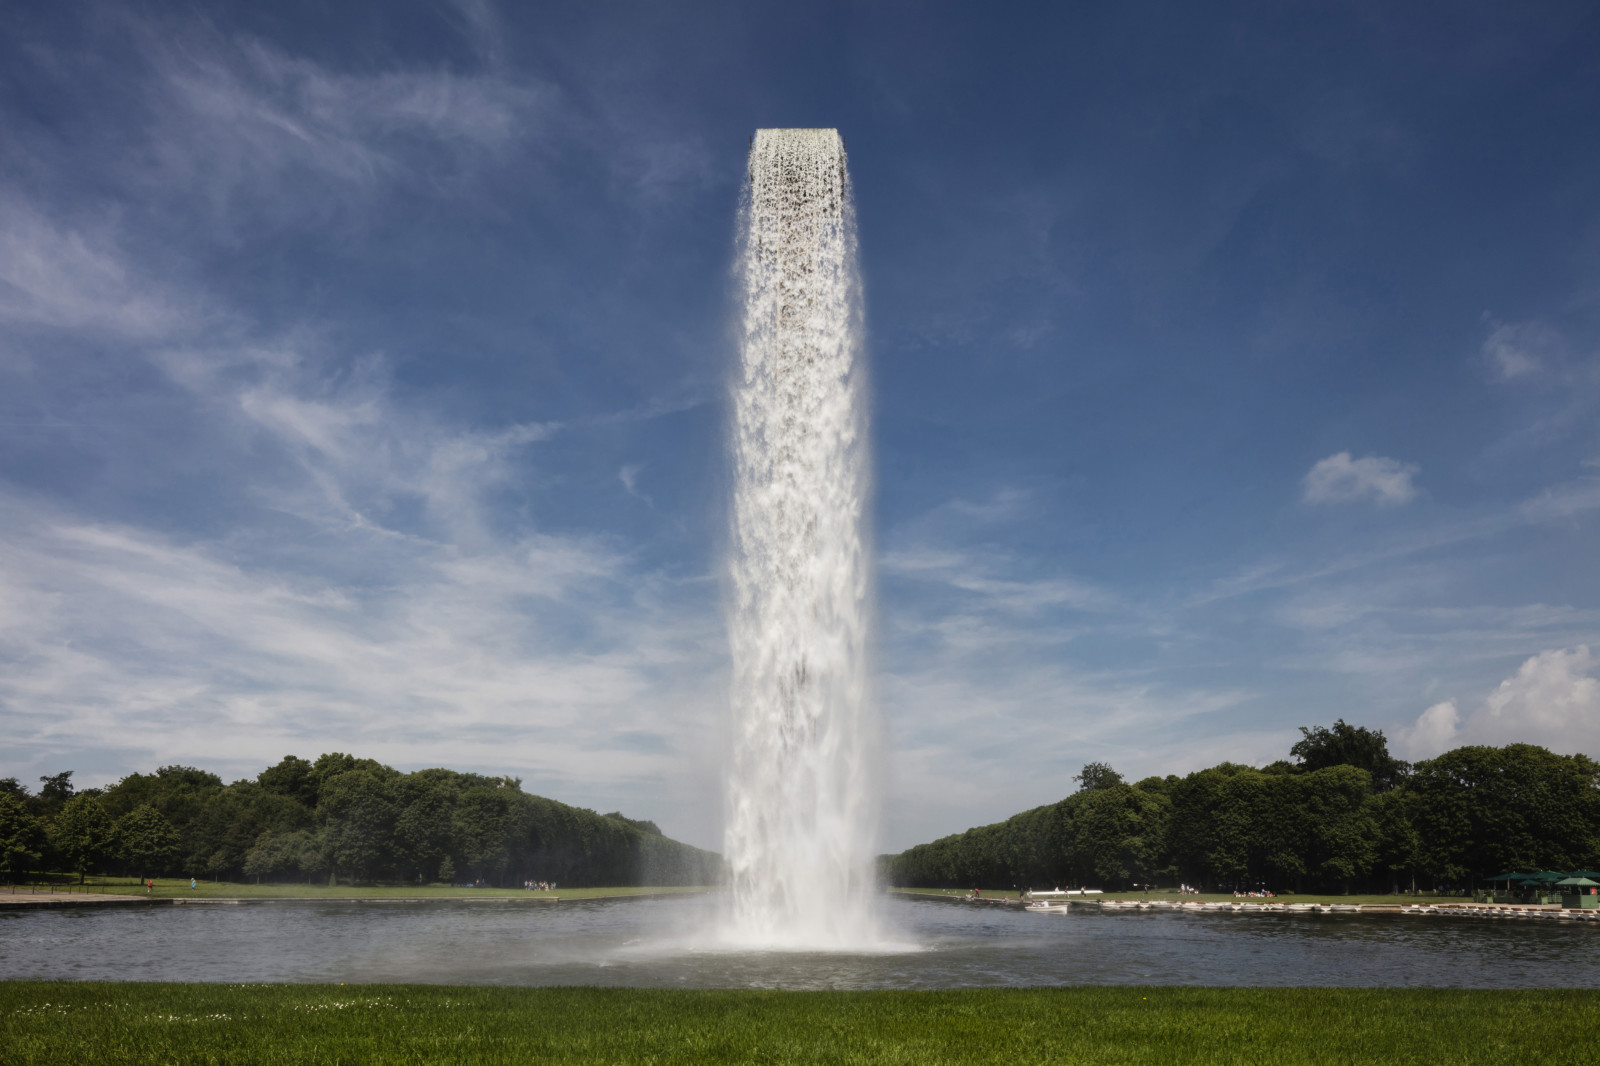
{"points": [[1435, 728], [1342, 479], [1553, 700]]}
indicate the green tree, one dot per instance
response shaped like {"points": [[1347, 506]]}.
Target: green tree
{"points": [[183, 795], [1341, 832], [1117, 835], [424, 828], [1097, 775], [356, 813], [484, 828], [644, 826], [1343, 744], [145, 841], [1399, 850], [54, 791], [21, 836], [292, 777], [221, 834], [276, 856], [1482, 810], [1214, 829], [82, 834]]}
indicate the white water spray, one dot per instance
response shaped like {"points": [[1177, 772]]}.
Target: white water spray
{"points": [[802, 810]]}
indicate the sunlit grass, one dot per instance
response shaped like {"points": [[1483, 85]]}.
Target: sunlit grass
{"points": [[46, 1022]]}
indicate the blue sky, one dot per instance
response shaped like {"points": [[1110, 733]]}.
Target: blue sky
{"points": [[362, 382]]}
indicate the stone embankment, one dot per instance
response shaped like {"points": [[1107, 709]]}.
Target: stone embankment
{"points": [[1547, 912]]}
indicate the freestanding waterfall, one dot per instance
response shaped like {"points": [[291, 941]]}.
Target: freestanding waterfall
{"points": [[802, 810]]}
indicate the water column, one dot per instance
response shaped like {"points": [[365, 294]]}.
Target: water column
{"points": [[801, 817]]}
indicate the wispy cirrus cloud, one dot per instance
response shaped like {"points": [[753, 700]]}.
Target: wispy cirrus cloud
{"points": [[362, 597], [76, 276], [364, 576], [1521, 349]]}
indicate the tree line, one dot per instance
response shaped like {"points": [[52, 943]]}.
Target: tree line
{"points": [[1340, 815], [339, 818]]}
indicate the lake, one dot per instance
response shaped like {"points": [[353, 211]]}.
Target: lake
{"points": [[657, 942]]}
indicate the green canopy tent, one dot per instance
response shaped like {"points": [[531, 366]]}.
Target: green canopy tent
{"points": [[1585, 873], [1579, 893]]}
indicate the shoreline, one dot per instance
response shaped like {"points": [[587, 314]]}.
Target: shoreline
{"points": [[38, 900], [1546, 911]]}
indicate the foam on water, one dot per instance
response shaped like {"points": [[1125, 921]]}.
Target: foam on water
{"points": [[802, 801]]}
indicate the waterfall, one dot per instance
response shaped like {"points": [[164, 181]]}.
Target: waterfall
{"points": [[802, 809]]}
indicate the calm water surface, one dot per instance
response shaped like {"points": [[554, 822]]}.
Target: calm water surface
{"points": [[658, 943]]}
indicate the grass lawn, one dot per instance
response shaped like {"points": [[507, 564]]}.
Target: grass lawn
{"points": [[170, 887], [52, 1023], [1162, 895]]}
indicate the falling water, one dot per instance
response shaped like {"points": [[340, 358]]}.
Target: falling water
{"points": [[801, 816]]}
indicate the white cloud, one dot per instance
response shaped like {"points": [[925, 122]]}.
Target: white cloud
{"points": [[1552, 700], [528, 655], [629, 476], [358, 590], [972, 745], [1521, 349], [961, 573], [1435, 729], [233, 117], [236, 122], [992, 706], [1341, 479], [75, 277]]}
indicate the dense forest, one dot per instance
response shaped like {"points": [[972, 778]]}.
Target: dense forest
{"points": [[1341, 815], [337, 819]]}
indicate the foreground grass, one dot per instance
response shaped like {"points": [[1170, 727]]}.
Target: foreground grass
{"points": [[1160, 895], [179, 887], [52, 1022]]}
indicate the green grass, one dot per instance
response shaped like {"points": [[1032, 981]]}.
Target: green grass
{"points": [[179, 887], [1158, 895], [51, 1023]]}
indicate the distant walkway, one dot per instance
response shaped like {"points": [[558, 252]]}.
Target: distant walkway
{"points": [[1548, 911], [1464, 909], [33, 898]]}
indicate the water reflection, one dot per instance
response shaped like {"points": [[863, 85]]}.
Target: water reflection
{"points": [[660, 943]]}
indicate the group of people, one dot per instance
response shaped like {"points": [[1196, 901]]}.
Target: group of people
{"points": [[539, 886]]}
